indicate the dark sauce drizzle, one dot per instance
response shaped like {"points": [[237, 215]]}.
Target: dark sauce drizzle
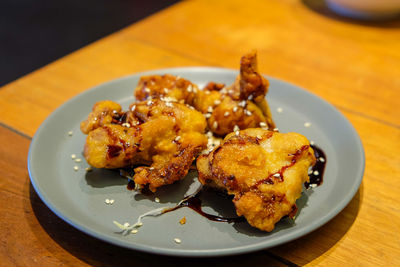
{"points": [[316, 176], [194, 202]]}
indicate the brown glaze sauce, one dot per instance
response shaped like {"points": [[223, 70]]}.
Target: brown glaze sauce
{"points": [[194, 203], [317, 174]]}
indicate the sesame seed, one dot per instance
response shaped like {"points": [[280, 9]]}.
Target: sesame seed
{"points": [[157, 200], [147, 90], [210, 109], [263, 124], [151, 168], [114, 111], [223, 91], [177, 240], [208, 115], [247, 112], [88, 169], [277, 175], [126, 124], [321, 159], [95, 119], [310, 172], [76, 168], [276, 130], [139, 224], [78, 160], [73, 156], [236, 128], [258, 136], [242, 103], [107, 201], [189, 88], [126, 224], [307, 124], [250, 97], [230, 92], [166, 90], [312, 143], [169, 104], [226, 114], [70, 133], [316, 172], [217, 102], [279, 110], [177, 138], [313, 185], [149, 103], [235, 109], [215, 125], [134, 231], [133, 108], [237, 133], [111, 201]]}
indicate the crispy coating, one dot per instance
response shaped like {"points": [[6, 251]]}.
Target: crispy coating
{"points": [[103, 112], [158, 86], [242, 104], [165, 135], [264, 170]]}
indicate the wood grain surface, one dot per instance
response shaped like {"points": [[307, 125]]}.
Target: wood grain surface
{"points": [[353, 65]]}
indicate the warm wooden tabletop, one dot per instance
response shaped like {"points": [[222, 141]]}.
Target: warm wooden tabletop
{"points": [[355, 66]]}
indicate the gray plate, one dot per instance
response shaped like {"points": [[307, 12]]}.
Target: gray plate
{"points": [[79, 197]]}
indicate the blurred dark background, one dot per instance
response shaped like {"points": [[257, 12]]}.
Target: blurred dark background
{"points": [[35, 33]]}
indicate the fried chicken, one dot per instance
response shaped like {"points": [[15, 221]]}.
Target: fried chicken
{"points": [[239, 106], [264, 170], [163, 134]]}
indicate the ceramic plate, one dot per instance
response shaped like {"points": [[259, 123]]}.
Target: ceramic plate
{"points": [[78, 197]]}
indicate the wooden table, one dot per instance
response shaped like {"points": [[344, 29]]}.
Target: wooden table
{"points": [[353, 65]]}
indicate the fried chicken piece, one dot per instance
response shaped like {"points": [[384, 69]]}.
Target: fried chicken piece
{"points": [[165, 135], [239, 106], [161, 86], [264, 170]]}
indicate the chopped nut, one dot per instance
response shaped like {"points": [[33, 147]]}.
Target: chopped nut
{"points": [[183, 220]]}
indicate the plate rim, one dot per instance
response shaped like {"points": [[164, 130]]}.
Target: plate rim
{"points": [[290, 236]]}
